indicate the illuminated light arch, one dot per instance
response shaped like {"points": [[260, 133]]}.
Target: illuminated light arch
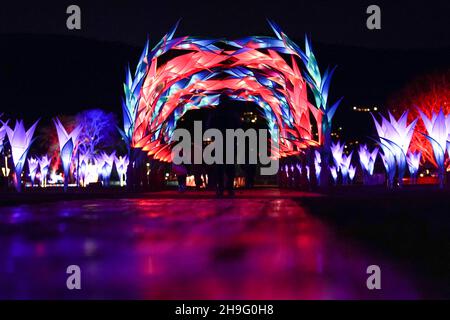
{"points": [[249, 69]]}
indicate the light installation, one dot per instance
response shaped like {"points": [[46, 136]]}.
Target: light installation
{"points": [[334, 174], [337, 150], [428, 94], [44, 165], [346, 167], [33, 165], [67, 143], [2, 134], [438, 129], [121, 167], [413, 159], [82, 169], [367, 160], [351, 173], [20, 141], [389, 164], [317, 165], [395, 137], [105, 166], [248, 69]]}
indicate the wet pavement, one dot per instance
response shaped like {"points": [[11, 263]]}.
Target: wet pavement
{"points": [[259, 245]]}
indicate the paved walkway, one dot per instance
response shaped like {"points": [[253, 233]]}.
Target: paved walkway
{"points": [[259, 245]]}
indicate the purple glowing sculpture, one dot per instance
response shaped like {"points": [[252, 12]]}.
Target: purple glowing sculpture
{"points": [[413, 159], [389, 164], [106, 166], [337, 150], [334, 173], [2, 134], [395, 135], [438, 128], [20, 141], [345, 167], [33, 165], [44, 165], [317, 166], [367, 160], [66, 146], [122, 166], [351, 173]]}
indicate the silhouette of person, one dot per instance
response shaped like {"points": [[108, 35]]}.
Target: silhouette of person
{"points": [[223, 117]]}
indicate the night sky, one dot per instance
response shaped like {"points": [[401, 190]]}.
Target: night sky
{"points": [[48, 70], [404, 23]]}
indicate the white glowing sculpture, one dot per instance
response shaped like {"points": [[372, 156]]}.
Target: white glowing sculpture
{"points": [[5, 170], [20, 141], [396, 135], [307, 173], [438, 128], [2, 134], [334, 173], [351, 173], [106, 166], [337, 151], [93, 171], [67, 144], [413, 159], [33, 165], [121, 166], [299, 167], [367, 159], [44, 165], [317, 162], [82, 168], [345, 167], [389, 164]]}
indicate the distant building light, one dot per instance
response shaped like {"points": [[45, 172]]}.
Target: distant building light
{"points": [[364, 109]]}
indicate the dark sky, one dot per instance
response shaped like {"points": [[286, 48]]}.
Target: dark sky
{"points": [[405, 24]]}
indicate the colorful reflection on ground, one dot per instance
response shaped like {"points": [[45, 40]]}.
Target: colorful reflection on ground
{"points": [[258, 245]]}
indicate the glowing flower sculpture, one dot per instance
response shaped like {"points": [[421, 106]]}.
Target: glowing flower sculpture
{"points": [[33, 165], [389, 164], [337, 150], [83, 167], [107, 166], [345, 167], [334, 173], [395, 136], [286, 170], [299, 168], [438, 128], [351, 173], [20, 141], [317, 162], [5, 170], [367, 160], [67, 144], [2, 134], [413, 159], [44, 165], [122, 166]]}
